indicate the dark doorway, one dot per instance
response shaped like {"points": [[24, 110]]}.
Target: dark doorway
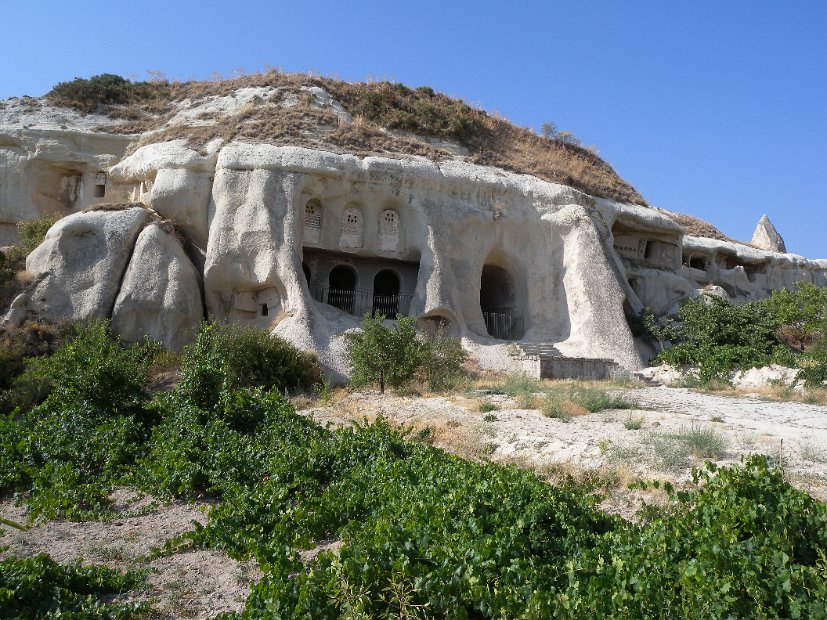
{"points": [[306, 271], [386, 294], [342, 282], [498, 301]]}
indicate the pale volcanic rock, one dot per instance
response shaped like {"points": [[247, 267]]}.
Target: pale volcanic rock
{"points": [[160, 296], [303, 242], [79, 265], [766, 237]]}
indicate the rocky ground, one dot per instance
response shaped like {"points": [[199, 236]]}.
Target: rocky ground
{"points": [[666, 432]]}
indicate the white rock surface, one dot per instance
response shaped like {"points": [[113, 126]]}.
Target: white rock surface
{"points": [[765, 376], [766, 236], [663, 375], [79, 265], [160, 295], [563, 266]]}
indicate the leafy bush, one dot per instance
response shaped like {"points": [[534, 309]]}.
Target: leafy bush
{"points": [[651, 330], [718, 336], [744, 544], [804, 308], [67, 452], [104, 89], [240, 356], [384, 354], [38, 587], [442, 361], [195, 451], [95, 373], [424, 530]]}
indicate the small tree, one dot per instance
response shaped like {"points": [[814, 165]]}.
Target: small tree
{"points": [[443, 360], [387, 354]]}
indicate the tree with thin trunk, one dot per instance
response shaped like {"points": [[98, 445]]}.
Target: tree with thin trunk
{"points": [[384, 353]]}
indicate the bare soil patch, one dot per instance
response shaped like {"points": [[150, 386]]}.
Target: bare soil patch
{"points": [[191, 584]]}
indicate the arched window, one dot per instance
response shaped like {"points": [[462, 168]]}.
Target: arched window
{"points": [[498, 302], [342, 286], [389, 231], [312, 221], [386, 294], [352, 229]]}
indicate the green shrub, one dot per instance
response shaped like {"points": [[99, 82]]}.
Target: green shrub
{"points": [[95, 372], [744, 544], [442, 361], [70, 450], [718, 336], [651, 330], [194, 451], [803, 310], [38, 587], [235, 356], [104, 89], [384, 354]]}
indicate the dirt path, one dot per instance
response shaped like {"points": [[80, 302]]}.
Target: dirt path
{"points": [[792, 420]]}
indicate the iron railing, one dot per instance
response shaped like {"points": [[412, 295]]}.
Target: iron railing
{"points": [[360, 302], [498, 324]]}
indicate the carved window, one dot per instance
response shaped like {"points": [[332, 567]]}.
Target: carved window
{"points": [[352, 229], [312, 221], [389, 231], [100, 185]]}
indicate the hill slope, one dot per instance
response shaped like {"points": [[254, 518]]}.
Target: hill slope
{"points": [[360, 118]]}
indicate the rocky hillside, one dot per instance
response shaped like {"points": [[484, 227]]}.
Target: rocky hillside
{"points": [[345, 117]]}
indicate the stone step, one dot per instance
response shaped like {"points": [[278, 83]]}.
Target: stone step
{"points": [[537, 349], [544, 360]]}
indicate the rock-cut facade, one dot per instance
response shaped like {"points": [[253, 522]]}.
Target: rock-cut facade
{"points": [[304, 242]]}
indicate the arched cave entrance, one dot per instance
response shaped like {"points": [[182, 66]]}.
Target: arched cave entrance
{"points": [[498, 302], [342, 281], [386, 294]]}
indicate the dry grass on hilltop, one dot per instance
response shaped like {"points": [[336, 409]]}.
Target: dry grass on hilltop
{"points": [[698, 228], [389, 118]]}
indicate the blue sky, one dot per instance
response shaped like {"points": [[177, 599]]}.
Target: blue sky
{"points": [[713, 108]]}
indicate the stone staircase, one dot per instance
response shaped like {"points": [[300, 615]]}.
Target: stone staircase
{"points": [[545, 361]]}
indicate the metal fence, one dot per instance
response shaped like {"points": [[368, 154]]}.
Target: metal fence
{"points": [[498, 324], [360, 302]]}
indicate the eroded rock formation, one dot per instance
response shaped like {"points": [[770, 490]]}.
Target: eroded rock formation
{"points": [[304, 241]]}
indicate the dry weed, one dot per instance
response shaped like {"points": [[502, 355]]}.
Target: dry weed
{"points": [[388, 118]]}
